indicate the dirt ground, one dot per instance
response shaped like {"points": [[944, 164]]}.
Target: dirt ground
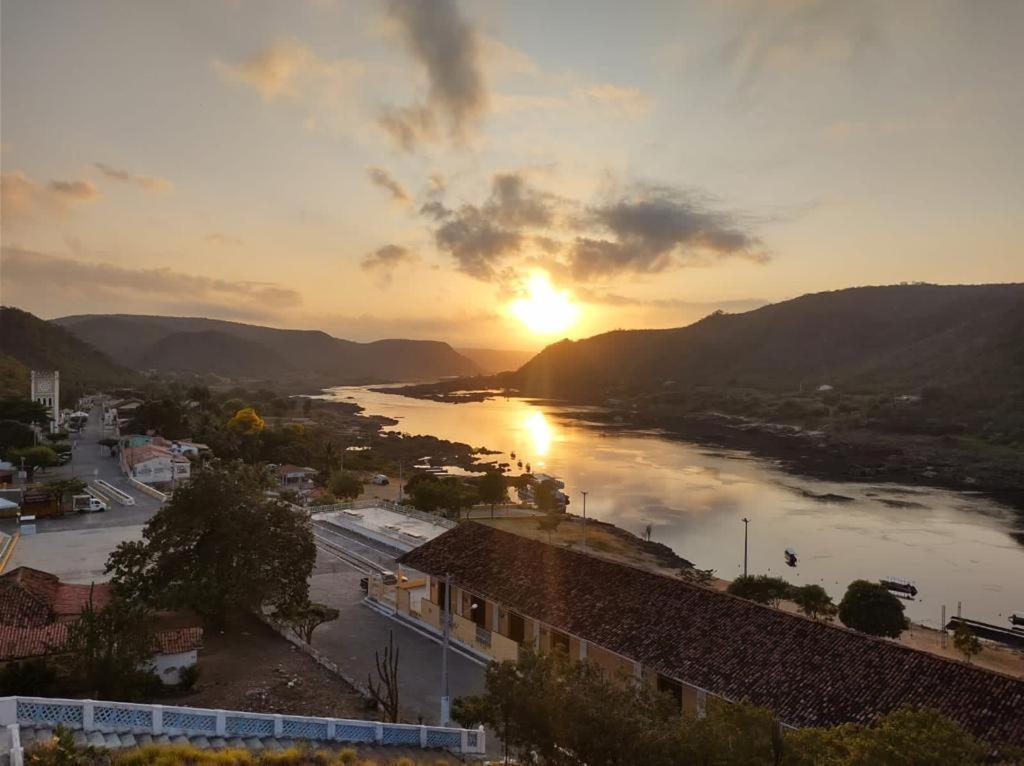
{"points": [[250, 667]]}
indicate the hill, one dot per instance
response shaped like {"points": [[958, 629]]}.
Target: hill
{"points": [[28, 342], [492, 360], [898, 338], [237, 350]]}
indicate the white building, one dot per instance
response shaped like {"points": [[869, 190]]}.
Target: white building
{"points": [[152, 464], [46, 391]]}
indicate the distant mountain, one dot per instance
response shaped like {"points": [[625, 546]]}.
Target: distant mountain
{"points": [[28, 342], [970, 337], [236, 350], [492, 360]]}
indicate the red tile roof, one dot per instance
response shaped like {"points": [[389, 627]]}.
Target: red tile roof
{"points": [[30, 597], [178, 641], [18, 643], [810, 673]]}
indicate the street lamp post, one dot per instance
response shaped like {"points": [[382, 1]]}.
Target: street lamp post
{"points": [[746, 525], [446, 616], [584, 493]]}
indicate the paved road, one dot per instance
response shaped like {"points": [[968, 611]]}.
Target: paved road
{"points": [[360, 631]]}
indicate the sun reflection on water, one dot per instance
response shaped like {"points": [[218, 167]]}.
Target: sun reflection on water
{"points": [[539, 431]]}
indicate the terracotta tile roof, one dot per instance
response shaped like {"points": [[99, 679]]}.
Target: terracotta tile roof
{"points": [[178, 640], [811, 673], [30, 597], [18, 643]]}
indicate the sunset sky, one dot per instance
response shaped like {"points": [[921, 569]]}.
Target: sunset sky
{"points": [[502, 174]]}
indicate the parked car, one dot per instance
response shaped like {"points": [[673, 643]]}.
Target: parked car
{"points": [[389, 577], [380, 480]]}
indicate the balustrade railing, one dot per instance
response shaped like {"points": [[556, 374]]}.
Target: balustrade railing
{"points": [[129, 717]]}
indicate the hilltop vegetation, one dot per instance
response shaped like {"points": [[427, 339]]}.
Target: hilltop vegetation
{"points": [[28, 342], [304, 358]]}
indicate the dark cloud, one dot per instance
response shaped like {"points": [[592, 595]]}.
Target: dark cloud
{"points": [[657, 228], [383, 179], [39, 271], [384, 260], [447, 46], [79, 190]]}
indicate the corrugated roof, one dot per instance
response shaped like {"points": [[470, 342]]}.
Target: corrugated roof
{"points": [[810, 673]]}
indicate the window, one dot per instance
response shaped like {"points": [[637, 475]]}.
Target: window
{"points": [[478, 611], [559, 642], [442, 587], [516, 627]]}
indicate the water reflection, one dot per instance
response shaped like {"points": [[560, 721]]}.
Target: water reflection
{"points": [[956, 546]]}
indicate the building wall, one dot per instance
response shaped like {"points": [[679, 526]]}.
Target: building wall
{"points": [[169, 666]]}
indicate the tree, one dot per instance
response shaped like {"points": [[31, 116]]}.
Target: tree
{"points": [[761, 588], [24, 410], [33, 458], [545, 495], [870, 608], [548, 522], [345, 485], [59, 488], [246, 422], [303, 619], [15, 435], [492, 489], [108, 650], [384, 690], [30, 677], [814, 601], [966, 642], [220, 544]]}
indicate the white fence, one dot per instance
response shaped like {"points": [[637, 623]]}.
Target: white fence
{"points": [[387, 505], [111, 492], [146, 489], [117, 717]]}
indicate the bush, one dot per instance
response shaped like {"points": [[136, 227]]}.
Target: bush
{"points": [[188, 677], [761, 588], [27, 677], [870, 608]]}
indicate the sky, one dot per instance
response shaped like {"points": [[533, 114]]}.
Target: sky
{"points": [[502, 174]]}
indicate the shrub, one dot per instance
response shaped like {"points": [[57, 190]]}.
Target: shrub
{"points": [[870, 608], [188, 677]]}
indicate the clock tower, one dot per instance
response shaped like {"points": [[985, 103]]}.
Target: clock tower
{"points": [[46, 391]]}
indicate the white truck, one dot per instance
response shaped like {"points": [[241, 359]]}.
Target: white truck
{"points": [[87, 504]]}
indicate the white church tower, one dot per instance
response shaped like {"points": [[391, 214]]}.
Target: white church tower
{"points": [[46, 391]]}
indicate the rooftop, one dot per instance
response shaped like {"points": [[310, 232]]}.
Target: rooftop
{"points": [[31, 598], [810, 673]]}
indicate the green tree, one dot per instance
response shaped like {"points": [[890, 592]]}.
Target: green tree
{"points": [[545, 495], [60, 488], [763, 589], [492, 489], [870, 608], [345, 485], [549, 521], [303, 619], [33, 458], [814, 601], [108, 650], [219, 545], [15, 435], [24, 411], [966, 642]]}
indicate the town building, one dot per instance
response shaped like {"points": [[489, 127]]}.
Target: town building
{"points": [[45, 389], [37, 610], [508, 591], [295, 476], [154, 464]]}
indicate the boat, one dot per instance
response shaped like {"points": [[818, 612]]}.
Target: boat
{"points": [[512, 455], [520, 464], [1017, 618], [790, 555], [899, 586]]}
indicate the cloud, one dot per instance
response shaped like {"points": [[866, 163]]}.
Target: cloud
{"points": [[20, 196], [380, 177], [385, 260], [149, 183], [778, 37], [631, 102], [480, 237], [35, 271], [448, 48], [644, 229], [288, 70], [655, 228], [220, 238]]}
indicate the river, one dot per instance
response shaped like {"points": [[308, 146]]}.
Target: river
{"points": [[955, 546]]}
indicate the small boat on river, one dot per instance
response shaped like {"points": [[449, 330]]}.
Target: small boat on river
{"points": [[790, 555]]}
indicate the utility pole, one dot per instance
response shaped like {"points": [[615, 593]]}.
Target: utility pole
{"points": [[584, 493], [746, 525], [446, 617], [400, 485]]}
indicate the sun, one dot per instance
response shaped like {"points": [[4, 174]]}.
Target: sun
{"points": [[545, 310]]}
